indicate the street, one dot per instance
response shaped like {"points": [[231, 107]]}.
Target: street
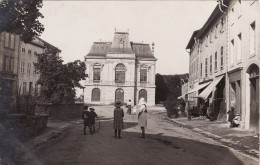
{"points": [[165, 143]]}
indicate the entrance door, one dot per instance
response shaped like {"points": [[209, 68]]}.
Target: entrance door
{"points": [[119, 95], [254, 103], [143, 93]]}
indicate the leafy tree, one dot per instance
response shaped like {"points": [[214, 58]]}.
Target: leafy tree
{"points": [[58, 81], [21, 17], [161, 88]]}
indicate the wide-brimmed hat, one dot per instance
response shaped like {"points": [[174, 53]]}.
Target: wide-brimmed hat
{"points": [[118, 104], [85, 107], [92, 109]]}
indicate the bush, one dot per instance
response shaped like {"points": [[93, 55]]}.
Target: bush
{"points": [[174, 108]]}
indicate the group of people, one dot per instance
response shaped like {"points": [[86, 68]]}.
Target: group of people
{"points": [[118, 124], [89, 115]]}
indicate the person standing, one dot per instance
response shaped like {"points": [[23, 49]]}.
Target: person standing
{"points": [[91, 117], [142, 118], [129, 107], [118, 124], [84, 116]]}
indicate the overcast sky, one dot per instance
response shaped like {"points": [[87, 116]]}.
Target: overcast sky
{"points": [[73, 26]]}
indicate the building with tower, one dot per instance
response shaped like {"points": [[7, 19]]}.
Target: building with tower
{"points": [[120, 70]]}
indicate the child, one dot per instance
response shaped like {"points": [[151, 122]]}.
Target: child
{"points": [[85, 117], [91, 117]]}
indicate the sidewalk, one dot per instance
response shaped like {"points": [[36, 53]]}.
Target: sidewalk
{"points": [[243, 140], [56, 129]]}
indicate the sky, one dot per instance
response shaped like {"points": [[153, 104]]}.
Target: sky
{"points": [[73, 26]]}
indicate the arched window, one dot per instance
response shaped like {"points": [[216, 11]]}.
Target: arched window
{"points": [[120, 73], [96, 72], [119, 95], [143, 93], [95, 94]]}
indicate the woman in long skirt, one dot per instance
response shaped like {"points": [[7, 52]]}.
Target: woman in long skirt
{"points": [[142, 118]]}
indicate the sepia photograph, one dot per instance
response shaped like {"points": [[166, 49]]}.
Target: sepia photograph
{"points": [[129, 82]]}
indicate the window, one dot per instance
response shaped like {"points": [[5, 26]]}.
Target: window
{"points": [[222, 22], [30, 87], [216, 31], [29, 68], [24, 87], [23, 49], [120, 73], [9, 40], [216, 61], [201, 69], [210, 65], [252, 38], [211, 36], [143, 75], [221, 58], [207, 40], [29, 52], [232, 48], [239, 47], [8, 64], [206, 67], [96, 74], [34, 70], [95, 94], [22, 67], [35, 53]]}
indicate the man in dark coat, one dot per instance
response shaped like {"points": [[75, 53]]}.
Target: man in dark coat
{"points": [[91, 117], [118, 124], [84, 116]]}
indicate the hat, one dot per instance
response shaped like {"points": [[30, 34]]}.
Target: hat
{"points": [[118, 104], [91, 109], [85, 107]]}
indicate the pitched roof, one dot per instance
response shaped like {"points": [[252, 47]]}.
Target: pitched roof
{"points": [[142, 50], [99, 48], [191, 42], [49, 46]]}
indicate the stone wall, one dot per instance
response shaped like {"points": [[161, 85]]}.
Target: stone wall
{"points": [[61, 111], [22, 126]]}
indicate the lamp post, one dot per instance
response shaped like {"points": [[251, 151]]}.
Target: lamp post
{"points": [[83, 95]]}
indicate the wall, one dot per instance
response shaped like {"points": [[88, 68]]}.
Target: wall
{"points": [[61, 111]]}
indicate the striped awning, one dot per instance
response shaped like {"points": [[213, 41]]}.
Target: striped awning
{"points": [[206, 92]]}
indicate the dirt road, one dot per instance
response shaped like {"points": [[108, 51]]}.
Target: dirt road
{"points": [[165, 143]]}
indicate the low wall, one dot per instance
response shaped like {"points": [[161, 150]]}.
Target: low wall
{"points": [[61, 111], [24, 127]]}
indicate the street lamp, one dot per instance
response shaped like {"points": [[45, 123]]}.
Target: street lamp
{"points": [[83, 95]]}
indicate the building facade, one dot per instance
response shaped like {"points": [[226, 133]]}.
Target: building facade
{"points": [[9, 59], [120, 70], [228, 51], [244, 60], [27, 75]]}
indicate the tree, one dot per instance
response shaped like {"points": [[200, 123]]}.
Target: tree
{"points": [[21, 17], [161, 88], [58, 81]]}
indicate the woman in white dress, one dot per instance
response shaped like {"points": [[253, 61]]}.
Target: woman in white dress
{"points": [[142, 118]]}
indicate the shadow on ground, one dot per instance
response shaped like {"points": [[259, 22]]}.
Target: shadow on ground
{"points": [[102, 148]]}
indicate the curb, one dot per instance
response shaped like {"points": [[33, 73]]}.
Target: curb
{"points": [[33, 146], [224, 141]]}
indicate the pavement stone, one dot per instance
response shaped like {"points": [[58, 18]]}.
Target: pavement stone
{"points": [[237, 145]]}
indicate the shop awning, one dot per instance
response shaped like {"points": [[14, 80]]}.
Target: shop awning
{"points": [[198, 87], [181, 97], [206, 92]]}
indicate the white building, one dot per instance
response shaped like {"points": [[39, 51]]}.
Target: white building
{"points": [[120, 70]]}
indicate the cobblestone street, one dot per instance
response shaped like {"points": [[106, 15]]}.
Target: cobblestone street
{"points": [[166, 143]]}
